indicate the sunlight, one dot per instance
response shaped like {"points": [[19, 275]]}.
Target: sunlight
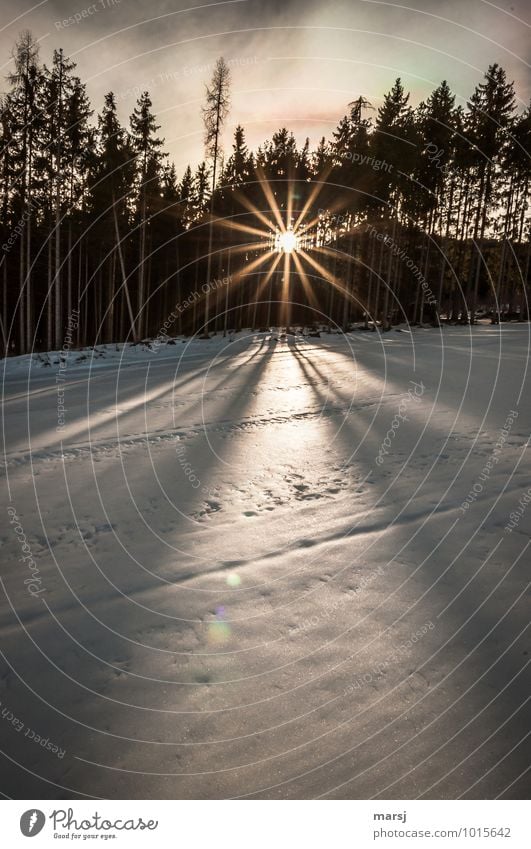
{"points": [[286, 242], [293, 241]]}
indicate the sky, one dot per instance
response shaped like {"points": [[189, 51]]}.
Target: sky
{"points": [[296, 63]]}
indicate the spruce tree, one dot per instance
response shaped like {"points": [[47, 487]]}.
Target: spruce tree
{"points": [[146, 145]]}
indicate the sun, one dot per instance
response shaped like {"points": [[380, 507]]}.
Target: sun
{"points": [[291, 235], [287, 242]]}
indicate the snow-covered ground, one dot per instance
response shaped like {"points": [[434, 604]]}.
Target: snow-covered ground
{"points": [[248, 572]]}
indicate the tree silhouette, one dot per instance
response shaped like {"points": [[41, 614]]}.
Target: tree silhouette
{"points": [[412, 213]]}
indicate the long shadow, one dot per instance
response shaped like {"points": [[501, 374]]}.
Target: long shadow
{"points": [[487, 624], [236, 403], [494, 636], [55, 688], [122, 394]]}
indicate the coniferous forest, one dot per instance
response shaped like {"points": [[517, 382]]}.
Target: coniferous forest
{"points": [[417, 214], [265, 337]]}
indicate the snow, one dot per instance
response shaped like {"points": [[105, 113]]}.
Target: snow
{"points": [[246, 592]]}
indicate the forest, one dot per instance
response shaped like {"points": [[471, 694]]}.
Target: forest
{"points": [[406, 214]]}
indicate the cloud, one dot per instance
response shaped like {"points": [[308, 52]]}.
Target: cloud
{"points": [[294, 62]]}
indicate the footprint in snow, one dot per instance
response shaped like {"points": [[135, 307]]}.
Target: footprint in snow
{"points": [[209, 507]]}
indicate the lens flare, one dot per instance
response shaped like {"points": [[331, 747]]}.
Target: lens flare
{"points": [[287, 242], [290, 234], [233, 580], [219, 632]]}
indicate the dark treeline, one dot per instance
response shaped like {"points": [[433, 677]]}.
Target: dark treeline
{"points": [[419, 214]]}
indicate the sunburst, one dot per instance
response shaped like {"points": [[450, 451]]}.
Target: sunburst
{"points": [[287, 233], [286, 242]]}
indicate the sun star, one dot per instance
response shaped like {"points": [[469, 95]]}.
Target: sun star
{"points": [[287, 242]]}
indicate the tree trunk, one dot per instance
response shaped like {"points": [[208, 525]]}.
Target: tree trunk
{"points": [[122, 266]]}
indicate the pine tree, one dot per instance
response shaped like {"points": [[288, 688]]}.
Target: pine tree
{"points": [[86, 210], [186, 195], [146, 146], [437, 123], [112, 177], [489, 122], [59, 85], [214, 114], [202, 193], [238, 168], [24, 112], [395, 144], [78, 150]]}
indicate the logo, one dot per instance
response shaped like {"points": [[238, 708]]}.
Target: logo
{"points": [[32, 822]]}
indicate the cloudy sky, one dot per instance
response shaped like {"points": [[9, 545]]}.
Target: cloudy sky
{"points": [[294, 62]]}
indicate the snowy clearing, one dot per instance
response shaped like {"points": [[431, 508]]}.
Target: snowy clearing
{"points": [[249, 574]]}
